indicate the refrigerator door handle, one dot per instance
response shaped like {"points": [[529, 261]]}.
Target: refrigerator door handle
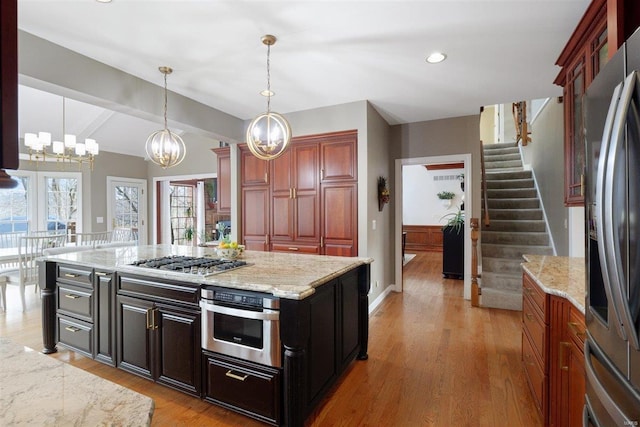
{"points": [[601, 187], [588, 417], [612, 408], [618, 276]]}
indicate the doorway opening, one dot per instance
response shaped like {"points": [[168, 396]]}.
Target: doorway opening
{"points": [[466, 196]]}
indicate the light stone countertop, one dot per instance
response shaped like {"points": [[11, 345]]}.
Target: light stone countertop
{"points": [[285, 275], [38, 390], [559, 275]]}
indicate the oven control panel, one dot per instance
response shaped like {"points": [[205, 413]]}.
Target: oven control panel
{"points": [[237, 299]]}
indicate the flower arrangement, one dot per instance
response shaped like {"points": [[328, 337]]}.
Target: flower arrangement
{"points": [[384, 196]]}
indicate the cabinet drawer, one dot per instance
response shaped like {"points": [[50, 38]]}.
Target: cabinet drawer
{"points": [[75, 301], [75, 275], [531, 290], [76, 335], [248, 388], [576, 327], [159, 290], [295, 248], [535, 375], [535, 328]]}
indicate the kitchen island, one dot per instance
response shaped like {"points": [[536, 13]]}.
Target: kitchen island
{"points": [[149, 322]]}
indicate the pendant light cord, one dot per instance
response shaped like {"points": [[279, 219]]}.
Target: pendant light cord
{"points": [[165, 101], [268, 78]]}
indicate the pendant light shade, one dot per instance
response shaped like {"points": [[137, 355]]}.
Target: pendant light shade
{"points": [[269, 134], [165, 148]]}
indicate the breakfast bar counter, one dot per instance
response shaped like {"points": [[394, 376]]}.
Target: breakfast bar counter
{"points": [[38, 390]]}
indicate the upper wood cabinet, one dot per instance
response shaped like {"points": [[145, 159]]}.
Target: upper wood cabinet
{"points": [[224, 179], [254, 171], [339, 161], [601, 31]]}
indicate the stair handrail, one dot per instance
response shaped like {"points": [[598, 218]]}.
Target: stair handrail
{"points": [[487, 222], [519, 111], [475, 288]]}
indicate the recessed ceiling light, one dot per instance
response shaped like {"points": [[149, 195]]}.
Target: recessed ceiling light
{"points": [[267, 92], [436, 57]]}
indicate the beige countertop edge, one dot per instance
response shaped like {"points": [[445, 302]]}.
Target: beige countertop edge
{"points": [[559, 282], [237, 279]]}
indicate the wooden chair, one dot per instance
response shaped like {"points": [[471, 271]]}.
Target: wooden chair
{"points": [[29, 250]]}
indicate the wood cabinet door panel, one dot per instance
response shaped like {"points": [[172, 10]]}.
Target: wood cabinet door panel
{"points": [[105, 322], [254, 171], [536, 329], [281, 217], [180, 348], [339, 218], [224, 178], [135, 347], [281, 173], [255, 217], [306, 167], [339, 160], [577, 386], [535, 375], [307, 217]]}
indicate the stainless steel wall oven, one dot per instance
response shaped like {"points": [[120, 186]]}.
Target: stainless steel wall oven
{"points": [[241, 324]]}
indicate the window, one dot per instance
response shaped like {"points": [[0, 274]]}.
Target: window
{"points": [[42, 201], [14, 207]]}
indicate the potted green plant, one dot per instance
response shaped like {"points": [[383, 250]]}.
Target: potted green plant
{"points": [[455, 221]]}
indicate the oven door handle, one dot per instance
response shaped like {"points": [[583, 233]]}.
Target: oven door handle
{"points": [[265, 314]]}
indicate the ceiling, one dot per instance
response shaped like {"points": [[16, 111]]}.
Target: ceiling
{"points": [[328, 53]]}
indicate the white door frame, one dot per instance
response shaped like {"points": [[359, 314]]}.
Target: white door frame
{"points": [[154, 196], [468, 207], [142, 204]]}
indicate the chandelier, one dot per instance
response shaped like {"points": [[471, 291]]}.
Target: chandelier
{"points": [[65, 152], [164, 147], [269, 134]]}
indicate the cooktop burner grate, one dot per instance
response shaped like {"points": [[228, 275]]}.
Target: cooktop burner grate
{"points": [[202, 266]]}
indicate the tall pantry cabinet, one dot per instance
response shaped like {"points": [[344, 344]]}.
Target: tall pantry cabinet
{"points": [[305, 201]]}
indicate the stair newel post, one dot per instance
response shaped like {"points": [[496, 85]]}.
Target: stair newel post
{"points": [[475, 289]]}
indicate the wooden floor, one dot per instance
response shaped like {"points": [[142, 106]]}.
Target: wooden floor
{"points": [[433, 361]]}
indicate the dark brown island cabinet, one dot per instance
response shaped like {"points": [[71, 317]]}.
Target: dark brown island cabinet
{"points": [[151, 327]]}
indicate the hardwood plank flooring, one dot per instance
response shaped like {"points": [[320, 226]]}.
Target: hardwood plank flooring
{"points": [[433, 361]]}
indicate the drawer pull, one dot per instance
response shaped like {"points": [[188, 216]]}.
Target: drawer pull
{"points": [[71, 296], [528, 290], [70, 275], [529, 362], [100, 273], [529, 316], [574, 329], [72, 329], [230, 374], [294, 249]]}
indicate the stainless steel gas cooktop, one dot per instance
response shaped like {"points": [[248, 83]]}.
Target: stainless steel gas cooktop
{"points": [[202, 266]]}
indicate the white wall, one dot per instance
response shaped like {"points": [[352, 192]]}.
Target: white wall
{"points": [[420, 202]]}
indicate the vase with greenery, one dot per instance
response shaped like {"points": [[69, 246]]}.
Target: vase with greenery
{"points": [[446, 195]]}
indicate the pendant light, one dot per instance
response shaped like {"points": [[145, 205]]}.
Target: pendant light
{"points": [[164, 147], [269, 134]]}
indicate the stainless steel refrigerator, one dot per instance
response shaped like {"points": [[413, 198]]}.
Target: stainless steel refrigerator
{"points": [[612, 348]]}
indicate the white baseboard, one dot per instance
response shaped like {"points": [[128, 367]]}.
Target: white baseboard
{"points": [[374, 305]]}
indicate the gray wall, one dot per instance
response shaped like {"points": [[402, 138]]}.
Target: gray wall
{"points": [[545, 154], [457, 135]]}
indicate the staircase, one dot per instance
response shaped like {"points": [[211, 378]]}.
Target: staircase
{"points": [[517, 226]]}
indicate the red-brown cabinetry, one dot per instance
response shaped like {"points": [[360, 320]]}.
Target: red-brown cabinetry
{"points": [[224, 179], [304, 201], [553, 332]]}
